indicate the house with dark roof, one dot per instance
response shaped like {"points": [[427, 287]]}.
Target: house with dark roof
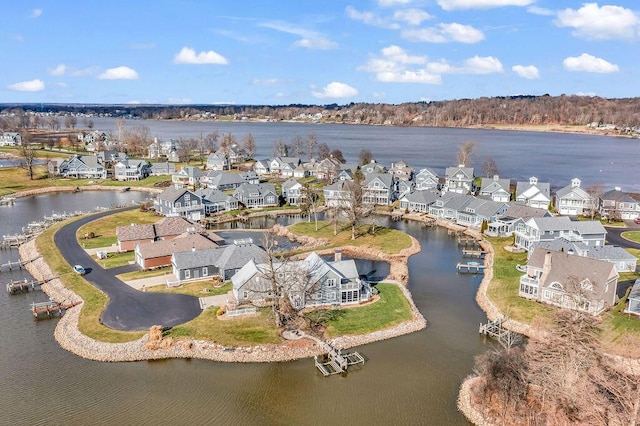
{"points": [[177, 200], [224, 181], [221, 262], [569, 281], [616, 204], [257, 196], [165, 229], [313, 281], [458, 179], [573, 200], [533, 193], [496, 189], [590, 232], [157, 254], [215, 201]]}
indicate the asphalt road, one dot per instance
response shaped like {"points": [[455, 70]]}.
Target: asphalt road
{"points": [[128, 309], [614, 237]]}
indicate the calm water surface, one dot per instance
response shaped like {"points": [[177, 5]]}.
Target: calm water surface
{"points": [[552, 157], [409, 380]]}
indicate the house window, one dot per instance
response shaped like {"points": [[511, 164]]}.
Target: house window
{"points": [[205, 271], [187, 274], [349, 296], [245, 294], [331, 282], [586, 285]]}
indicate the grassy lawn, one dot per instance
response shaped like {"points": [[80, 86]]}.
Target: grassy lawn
{"points": [[94, 300], [253, 330], [632, 236], [505, 284], [117, 259], [105, 229], [391, 309], [390, 241], [198, 289], [136, 275]]}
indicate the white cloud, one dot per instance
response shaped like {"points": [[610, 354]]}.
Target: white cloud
{"points": [[36, 13], [529, 72], [175, 101], [480, 4], [408, 76], [335, 90], [28, 86], [134, 102], [119, 73], [370, 18], [445, 33], [411, 16], [391, 3], [58, 70], [601, 23], [482, 65], [589, 63], [189, 56], [536, 10], [309, 39]]}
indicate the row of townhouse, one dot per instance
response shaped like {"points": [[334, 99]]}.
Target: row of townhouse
{"points": [[104, 164]]}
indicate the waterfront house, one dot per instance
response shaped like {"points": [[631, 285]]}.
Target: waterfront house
{"points": [[257, 196], [215, 201], [163, 168], [479, 210], [161, 148], [313, 281], [619, 257], [224, 181], [379, 189], [337, 195], [189, 175], [506, 224], [419, 201], [373, 167], [573, 200], [536, 229], [426, 180], [569, 281], [129, 170], [177, 200], [496, 189], [222, 262], [401, 170], [165, 229], [403, 187], [262, 167], [328, 169], [533, 193], [292, 192], [458, 179], [284, 166], [82, 167], [157, 254], [616, 204]]}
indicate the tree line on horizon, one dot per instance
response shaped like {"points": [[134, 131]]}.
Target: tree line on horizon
{"points": [[624, 114]]}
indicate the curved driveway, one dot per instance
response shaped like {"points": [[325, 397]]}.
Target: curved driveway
{"points": [[614, 235], [128, 309]]}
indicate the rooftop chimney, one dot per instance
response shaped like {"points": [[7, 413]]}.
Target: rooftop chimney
{"points": [[338, 256]]}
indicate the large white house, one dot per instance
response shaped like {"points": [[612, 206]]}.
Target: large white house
{"points": [[537, 229], [573, 200]]}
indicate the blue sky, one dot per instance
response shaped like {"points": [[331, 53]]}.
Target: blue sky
{"points": [[315, 51]]}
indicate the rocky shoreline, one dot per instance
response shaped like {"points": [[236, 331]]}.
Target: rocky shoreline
{"points": [[56, 189], [68, 335]]}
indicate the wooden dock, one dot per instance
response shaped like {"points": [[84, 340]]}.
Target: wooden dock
{"points": [[473, 253], [7, 201], [50, 309], [470, 267], [15, 287], [10, 266], [334, 362], [494, 329], [464, 240]]}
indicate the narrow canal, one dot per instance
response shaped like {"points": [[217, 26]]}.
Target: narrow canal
{"points": [[409, 380]]}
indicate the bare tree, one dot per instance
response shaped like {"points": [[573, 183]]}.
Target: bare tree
{"points": [[227, 143], [210, 142], [88, 123], [337, 154], [365, 156], [70, 121], [28, 154], [595, 191], [323, 151], [490, 167], [185, 149], [351, 203], [280, 149], [466, 152], [312, 142], [297, 145], [249, 145], [309, 199]]}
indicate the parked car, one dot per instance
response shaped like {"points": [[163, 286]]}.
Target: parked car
{"points": [[637, 220], [78, 269]]}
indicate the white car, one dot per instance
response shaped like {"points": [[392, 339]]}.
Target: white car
{"points": [[78, 269]]}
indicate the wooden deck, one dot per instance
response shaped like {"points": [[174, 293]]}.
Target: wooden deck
{"points": [[473, 253], [15, 287], [50, 309], [335, 362], [470, 267], [10, 266], [494, 329]]}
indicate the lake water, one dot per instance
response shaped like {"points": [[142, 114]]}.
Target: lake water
{"points": [[552, 157], [409, 380]]}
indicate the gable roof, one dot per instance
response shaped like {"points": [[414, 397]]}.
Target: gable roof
{"points": [[183, 243], [230, 256], [172, 193]]}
